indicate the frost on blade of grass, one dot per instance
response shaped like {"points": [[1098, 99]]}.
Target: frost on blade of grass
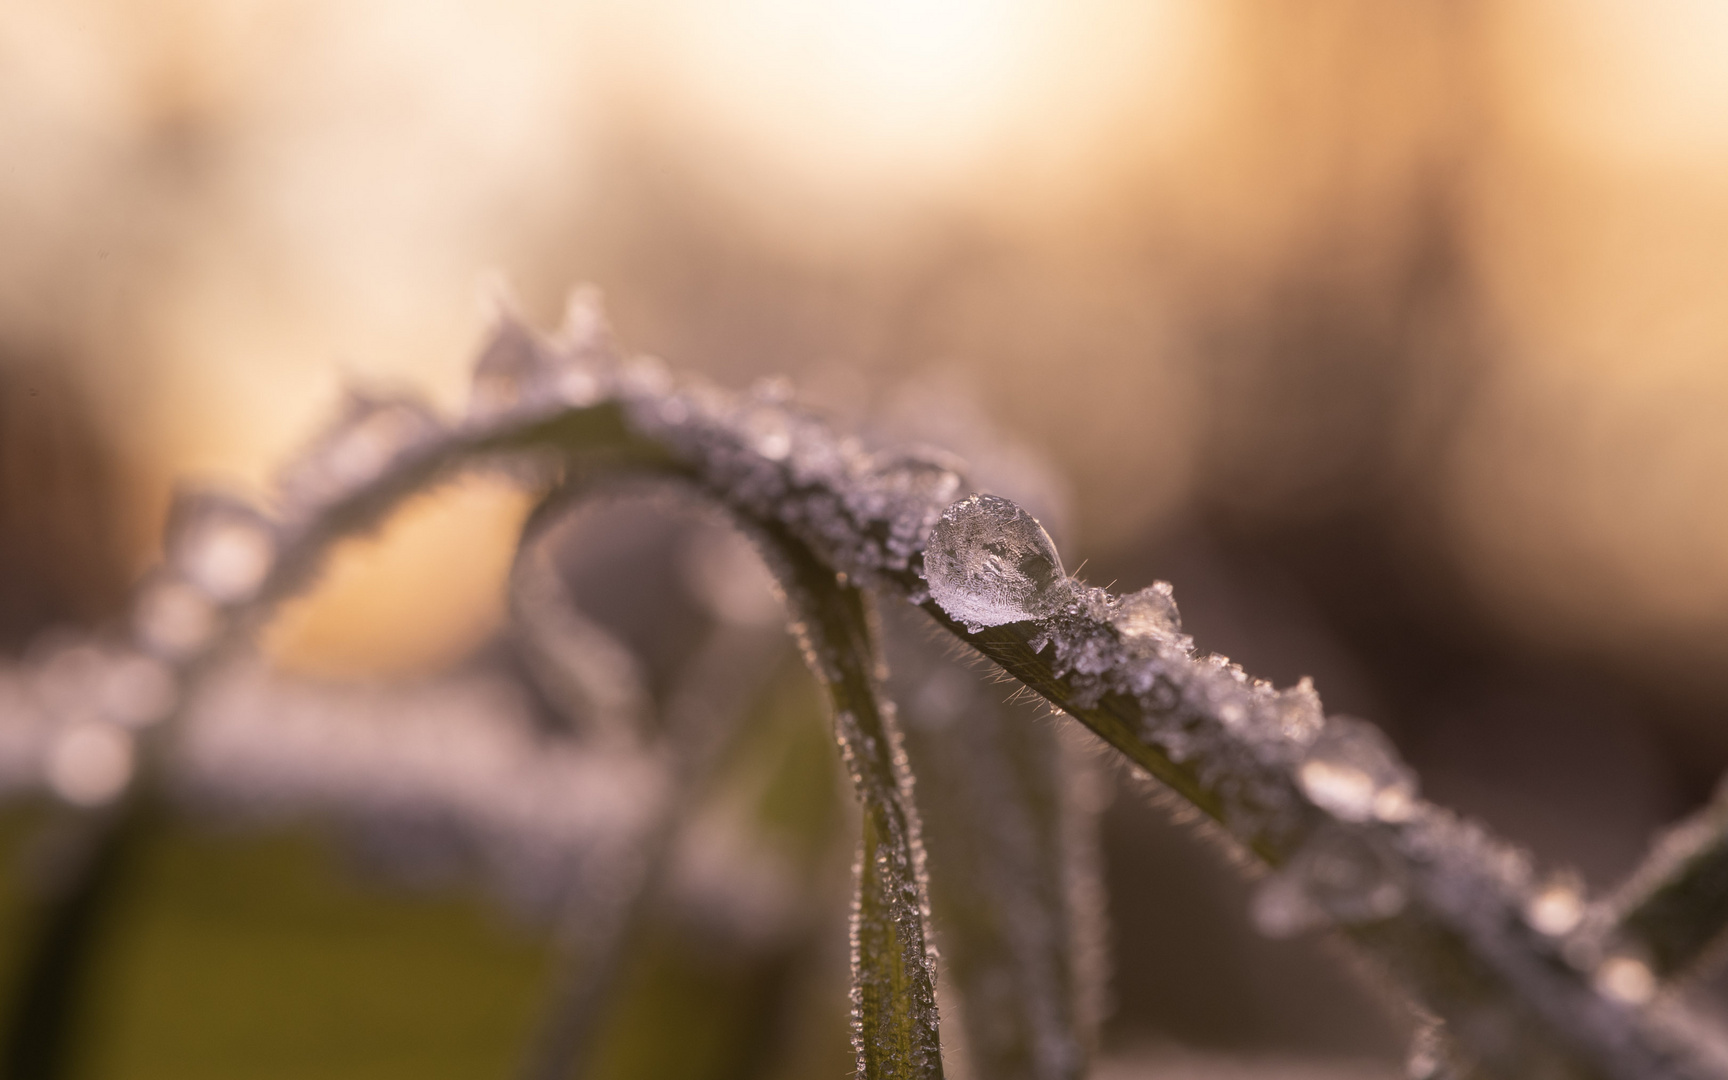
{"points": [[1459, 919], [1012, 862], [894, 1021], [1437, 900]]}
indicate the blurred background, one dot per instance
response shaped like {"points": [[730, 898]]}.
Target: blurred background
{"points": [[1393, 335]]}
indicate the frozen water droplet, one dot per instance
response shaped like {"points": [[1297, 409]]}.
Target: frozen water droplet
{"points": [[90, 763], [1352, 772], [1556, 909], [989, 562], [368, 438], [1151, 612], [1337, 877], [1626, 979], [174, 620], [220, 545]]}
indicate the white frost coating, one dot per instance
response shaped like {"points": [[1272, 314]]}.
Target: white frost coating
{"points": [[369, 436], [989, 563], [1352, 773], [1148, 613], [1337, 877]]}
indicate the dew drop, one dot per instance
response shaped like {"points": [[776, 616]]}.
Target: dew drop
{"points": [[1336, 877], [90, 763], [1625, 979], [220, 545], [989, 563], [1556, 909], [1352, 772]]}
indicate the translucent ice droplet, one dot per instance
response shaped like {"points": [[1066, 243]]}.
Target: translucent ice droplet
{"points": [[1352, 772], [989, 563], [1151, 612], [1337, 877], [220, 545]]}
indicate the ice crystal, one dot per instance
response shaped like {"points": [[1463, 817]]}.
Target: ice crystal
{"points": [[1147, 613], [989, 563]]}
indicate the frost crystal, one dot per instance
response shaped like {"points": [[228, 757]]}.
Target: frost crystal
{"points": [[1353, 773], [1337, 877], [989, 563], [1151, 612]]}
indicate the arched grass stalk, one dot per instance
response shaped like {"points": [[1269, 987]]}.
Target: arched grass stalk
{"points": [[1451, 914]]}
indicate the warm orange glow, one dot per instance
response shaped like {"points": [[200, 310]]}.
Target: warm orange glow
{"points": [[424, 592]]}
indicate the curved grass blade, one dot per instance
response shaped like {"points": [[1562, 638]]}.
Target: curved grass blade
{"points": [[1012, 863]]}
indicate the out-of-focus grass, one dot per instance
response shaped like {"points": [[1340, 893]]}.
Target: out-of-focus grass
{"points": [[261, 957]]}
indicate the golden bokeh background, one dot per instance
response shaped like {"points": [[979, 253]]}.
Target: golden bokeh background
{"points": [[217, 214]]}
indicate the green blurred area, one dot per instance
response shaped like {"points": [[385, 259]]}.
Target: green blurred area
{"points": [[264, 954], [260, 956]]}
